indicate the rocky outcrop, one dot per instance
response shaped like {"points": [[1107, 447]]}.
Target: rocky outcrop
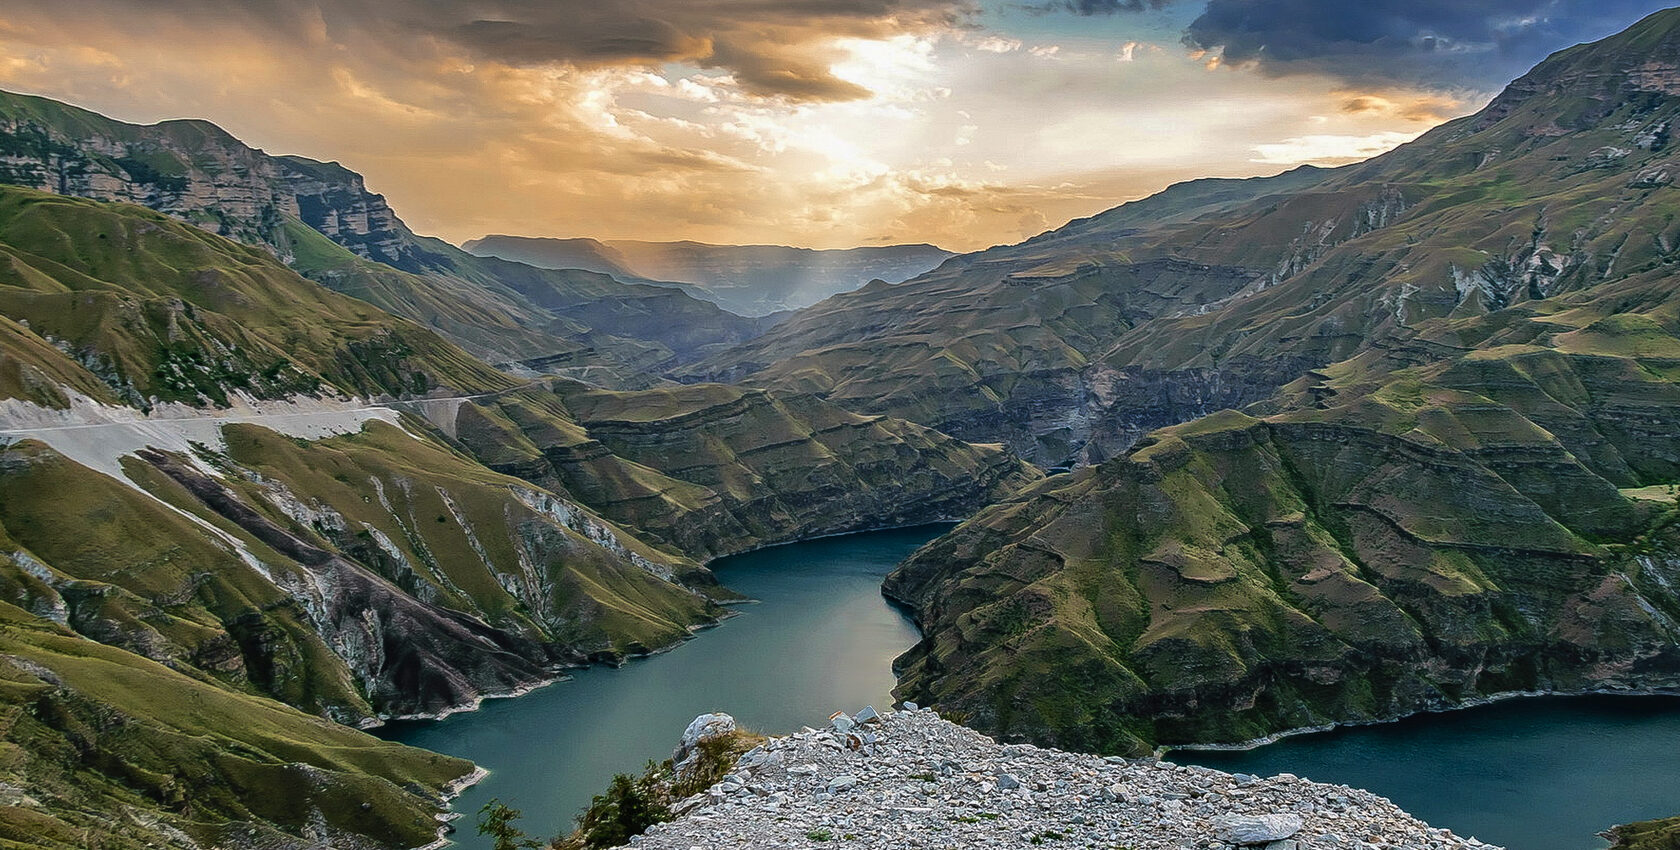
{"points": [[920, 775]]}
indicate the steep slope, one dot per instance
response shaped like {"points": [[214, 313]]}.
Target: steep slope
{"points": [[299, 547], [997, 345], [192, 475], [752, 280], [1394, 538], [1476, 499], [504, 312], [1072, 345], [108, 749], [712, 470], [160, 311]]}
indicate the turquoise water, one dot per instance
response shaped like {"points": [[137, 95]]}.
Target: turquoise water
{"points": [[1531, 774], [820, 639]]}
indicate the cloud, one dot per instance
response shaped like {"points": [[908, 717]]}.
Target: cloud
{"points": [[1329, 149], [1443, 44], [1478, 44], [1103, 7], [773, 48]]}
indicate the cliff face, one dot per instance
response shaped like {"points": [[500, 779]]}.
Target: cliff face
{"points": [[193, 480], [1472, 497], [712, 470]]}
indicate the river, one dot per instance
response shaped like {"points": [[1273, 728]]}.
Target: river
{"points": [[1531, 774]]}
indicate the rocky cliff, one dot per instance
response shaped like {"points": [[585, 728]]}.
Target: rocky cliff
{"points": [[1472, 498], [212, 466], [194, 487]]}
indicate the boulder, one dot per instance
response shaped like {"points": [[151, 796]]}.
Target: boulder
{"points": [[1255, 829], [700, 729]]}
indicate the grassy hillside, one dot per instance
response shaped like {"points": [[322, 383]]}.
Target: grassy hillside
{"points": [[711, 469], [157, 310], [1459, 515], [1212, 294], [320, 218]]}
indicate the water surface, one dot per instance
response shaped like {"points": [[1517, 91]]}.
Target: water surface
{"points": [[820, 639], [1530, 774]]}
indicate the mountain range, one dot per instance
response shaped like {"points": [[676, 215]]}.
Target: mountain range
{"points": [[1336, 445], [751, 280], [293, 512]]}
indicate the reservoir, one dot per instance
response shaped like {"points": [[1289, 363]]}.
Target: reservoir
{"points": [[819, 639], [1529, 774], [1542, 773]]}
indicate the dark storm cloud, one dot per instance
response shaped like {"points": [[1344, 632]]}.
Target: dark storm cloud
{"points": [[1432, 42], [1441, 43], [1106, 7], [773, 47]]}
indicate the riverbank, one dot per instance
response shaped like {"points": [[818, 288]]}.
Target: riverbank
{"points": [[1490, 699], [911, 779]]}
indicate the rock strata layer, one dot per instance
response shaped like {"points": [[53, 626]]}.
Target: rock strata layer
{"points": [[911, 779]]}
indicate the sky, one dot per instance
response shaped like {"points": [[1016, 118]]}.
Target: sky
{"points": [[821, 123]]}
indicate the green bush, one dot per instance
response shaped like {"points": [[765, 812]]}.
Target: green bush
{"points": [[629, 806]]}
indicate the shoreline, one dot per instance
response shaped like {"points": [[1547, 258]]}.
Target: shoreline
{"points": [[445, 815], [694, 631], [1478, 702]]}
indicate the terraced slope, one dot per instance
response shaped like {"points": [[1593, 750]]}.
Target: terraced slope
{"points": [[1072, 345], [500, 311], [1475, 498], [712, 470]]}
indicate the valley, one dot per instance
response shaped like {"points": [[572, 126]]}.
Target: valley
{"points": [[1243, 458]]}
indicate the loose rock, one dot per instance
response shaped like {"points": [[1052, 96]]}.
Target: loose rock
{"points": [[924, 783]]}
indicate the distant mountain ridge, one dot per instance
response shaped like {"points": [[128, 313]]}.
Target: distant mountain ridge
{"points": [[1213, 293], [320, 218], [752, 280]]}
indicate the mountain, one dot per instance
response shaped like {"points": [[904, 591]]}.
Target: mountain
{"points": [[752, 280], [274, 499], [1071, 346], [712, 470], [1461, 486], [320, 219]]}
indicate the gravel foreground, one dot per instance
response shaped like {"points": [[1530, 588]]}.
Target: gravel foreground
{"points": [[908, 779]]}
